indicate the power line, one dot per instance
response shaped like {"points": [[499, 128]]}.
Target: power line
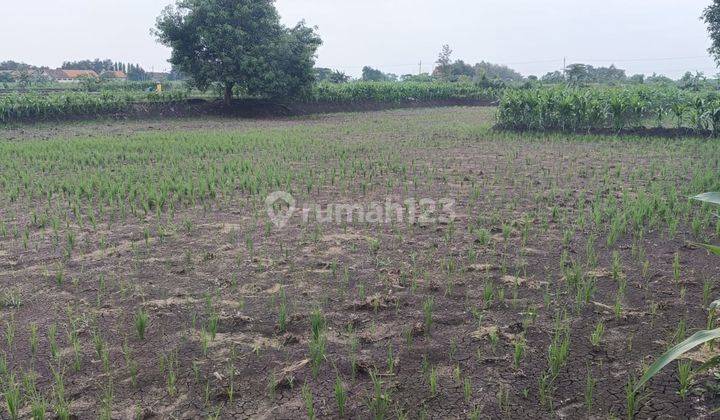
{"points": [[556, 60], [626, 60]]}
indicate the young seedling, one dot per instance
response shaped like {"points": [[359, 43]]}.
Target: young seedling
{"points": [[616, 266], [309, 403], [52, 340], [231, 375], [317, 340], [354, 345], [98, 342], [38, 408], [272, 385], [597, 334], [340, 396], [503, 397], [631, 399], [494, 338], [34, 339], [590, 384], [282, 312], [141, 322], [482, 236], [10, 331], [545, 389], [519, 351], [488, 294], [61, 405], [379, 402], [390, 359], [707, 290], [11, 393], [77, 352], [433, 381], [467, 389], [684, 377], [130, 362], [617, 307], [213, 324], [428, 306], [559, 348]]}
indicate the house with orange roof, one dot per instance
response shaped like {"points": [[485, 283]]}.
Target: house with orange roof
{"points": [[69, 76], [113, 75]]}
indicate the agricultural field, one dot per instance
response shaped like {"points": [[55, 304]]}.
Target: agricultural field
{"points": [[144, 277]]}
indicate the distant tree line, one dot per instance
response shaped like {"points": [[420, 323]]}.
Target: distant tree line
{"points": [[134, 72], [97, 65], [584, 74], [11, 71], [579, 73], [14, 66]]}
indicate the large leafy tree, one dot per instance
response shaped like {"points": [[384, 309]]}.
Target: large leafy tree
{"points": [[497, 71], [323, 74], [370, 74], [239, 44], [711, 16], [443, 63]]}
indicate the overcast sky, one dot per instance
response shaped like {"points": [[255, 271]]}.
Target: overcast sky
{"points": [[532, 36]]}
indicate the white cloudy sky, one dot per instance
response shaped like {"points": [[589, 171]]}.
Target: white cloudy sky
{"points": [[532, 36]]}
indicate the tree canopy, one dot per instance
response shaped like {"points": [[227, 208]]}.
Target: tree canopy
{"points": [[13, 65], [453, 71], [711, 16], [96, 65], [498, 72], [241, 45], [323, 74], [370, 74]]}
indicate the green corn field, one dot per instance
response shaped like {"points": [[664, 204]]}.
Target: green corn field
{"points": [[36, 106], [578, 109], [390, 92]]}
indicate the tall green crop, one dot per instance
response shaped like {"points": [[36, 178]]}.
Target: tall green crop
{"points": [[36, 106], [583, 109], [393, 92]]}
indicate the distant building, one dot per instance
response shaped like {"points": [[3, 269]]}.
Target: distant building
{"points": [[69, 76], [113, 75], [25, 75]]}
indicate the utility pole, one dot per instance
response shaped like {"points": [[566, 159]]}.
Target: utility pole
{"points": [[420, 68], [564, 66]]}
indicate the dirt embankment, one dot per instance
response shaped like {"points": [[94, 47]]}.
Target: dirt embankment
{"points": [[262, 108]]}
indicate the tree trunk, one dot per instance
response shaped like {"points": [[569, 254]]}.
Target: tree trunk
{"points": [[228, 93]]}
